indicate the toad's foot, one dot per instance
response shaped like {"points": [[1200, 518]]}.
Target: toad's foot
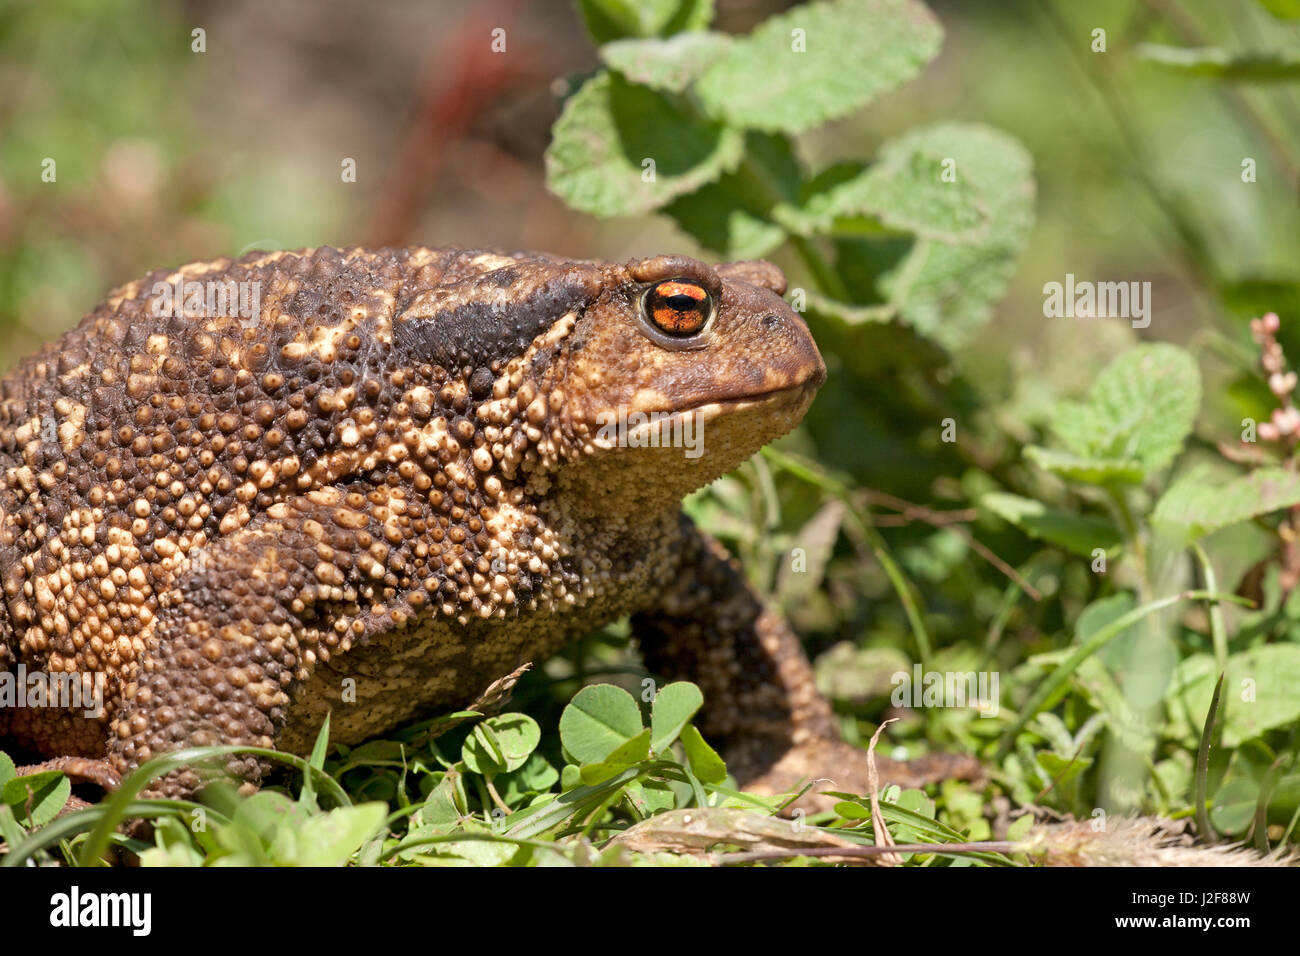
{"points": [[80, 769]]}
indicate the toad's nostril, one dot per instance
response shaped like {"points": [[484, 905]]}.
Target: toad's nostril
{"points": [[771, 321]]}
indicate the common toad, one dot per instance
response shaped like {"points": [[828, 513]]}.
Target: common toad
{"points": [[236, 485]]}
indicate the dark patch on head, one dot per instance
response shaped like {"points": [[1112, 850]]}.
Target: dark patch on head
{"points": [[481, 328]]}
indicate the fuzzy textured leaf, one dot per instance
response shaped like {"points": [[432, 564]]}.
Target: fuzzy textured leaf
{"points": [[1194, 506], [1141, 408], [946, 290], [610, 127], [665, 64], [904, 190], [853, 51]]}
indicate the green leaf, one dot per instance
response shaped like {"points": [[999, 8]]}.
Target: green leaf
{"points": [[328, 839], [1102, 613], [173, 846], [10, 831], [672, 64], [946, 290], [735, 216], [37, 798], [1259, 691], [689, 16], [1233, 807], [673, 707], [1194, 506], [599, 719], [608, 20], [917, 802], [849, 672], [501, 744], [652, 796], [904, 190], [7, 769], [818, 62], [1256, 66], [610, 130], [266, 811], [1141, 408], [1093, 471], [704, 760], [622, 757], [1080, 534], [439, 809], [535, 776]]}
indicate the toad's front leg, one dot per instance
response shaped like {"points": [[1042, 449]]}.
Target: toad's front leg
{"points": [[761, 703], [243, 627]]}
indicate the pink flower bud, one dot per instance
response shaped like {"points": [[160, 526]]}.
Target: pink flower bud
{"points": [[1271, 322], [1287, 420], [1268, 431]]}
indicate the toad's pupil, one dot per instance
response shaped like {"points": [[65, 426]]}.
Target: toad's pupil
{"points": [[679, 307]]}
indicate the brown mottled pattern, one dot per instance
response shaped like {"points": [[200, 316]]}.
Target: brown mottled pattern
{"points": [[392, 475]]}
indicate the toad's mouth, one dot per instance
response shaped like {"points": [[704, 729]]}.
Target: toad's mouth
{"points": [[714, 407], [666, 427]]}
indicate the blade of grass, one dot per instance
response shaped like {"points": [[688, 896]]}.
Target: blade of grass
{"points": [[1203, 766], [1261, 806], [1218, 632], [316, 762]]}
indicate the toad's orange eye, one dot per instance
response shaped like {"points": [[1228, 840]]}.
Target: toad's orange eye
{"points": [[678, 307]]}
